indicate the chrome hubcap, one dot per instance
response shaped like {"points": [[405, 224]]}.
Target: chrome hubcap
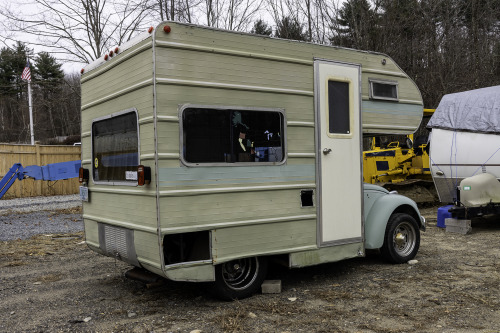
{"points": [[404, 239], [400, 239]]}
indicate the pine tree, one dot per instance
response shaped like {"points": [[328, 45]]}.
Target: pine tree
{"points": [[290, 28], [49, 79], [14, 124], [12, 62], [47, 71], [261, 28], [356, 25]]}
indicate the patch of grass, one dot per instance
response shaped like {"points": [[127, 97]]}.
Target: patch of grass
{"points": [[14, 263], [39, 245], [233, 319], [72, 210], [333, 295], [282, 308]]}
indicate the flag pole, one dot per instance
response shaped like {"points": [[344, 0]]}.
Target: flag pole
{"points": [[31, 114], [27, 76]]}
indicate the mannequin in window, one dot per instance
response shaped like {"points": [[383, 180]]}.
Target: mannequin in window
{"points": [[244, 147]]}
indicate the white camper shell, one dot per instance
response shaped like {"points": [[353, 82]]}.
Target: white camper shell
{"points": [[248, 147], [465, 139]]}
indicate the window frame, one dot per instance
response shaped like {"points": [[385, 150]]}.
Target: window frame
{"points": [[350, 83], [109, 116], [371, 81], [184, 107]]}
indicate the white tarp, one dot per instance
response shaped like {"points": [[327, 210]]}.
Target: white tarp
{"points": [[474, 110]]}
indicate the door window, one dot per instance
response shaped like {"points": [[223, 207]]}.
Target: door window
{"points": [[338, 106]]}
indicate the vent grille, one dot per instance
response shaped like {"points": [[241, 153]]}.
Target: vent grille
{"points": [[116, 241]]}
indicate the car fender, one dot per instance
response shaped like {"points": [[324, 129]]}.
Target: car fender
{"points": [[379, 214]]}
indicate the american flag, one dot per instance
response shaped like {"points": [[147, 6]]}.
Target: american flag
{"points": [[26, 72]]}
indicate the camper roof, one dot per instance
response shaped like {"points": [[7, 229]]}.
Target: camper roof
{"points": [[474, 110]]}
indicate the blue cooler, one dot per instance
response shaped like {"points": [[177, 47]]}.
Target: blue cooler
{"points": [[443, 214]]}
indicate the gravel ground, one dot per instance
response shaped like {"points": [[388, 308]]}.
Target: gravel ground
{"points": [[26, 217], [57, 284], [35, 204]]}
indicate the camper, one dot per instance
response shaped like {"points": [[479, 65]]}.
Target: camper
{"points": [[208, 155], [465, 151]]}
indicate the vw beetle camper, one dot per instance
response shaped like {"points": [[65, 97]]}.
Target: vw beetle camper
{"points": [[208, 154]]}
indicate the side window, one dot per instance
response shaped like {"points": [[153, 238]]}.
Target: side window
{"points": [[216, 135], [115, 148], [338, 107], [384, 89]]}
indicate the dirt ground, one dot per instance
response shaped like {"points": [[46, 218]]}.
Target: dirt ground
{"points": [[56, 284]]}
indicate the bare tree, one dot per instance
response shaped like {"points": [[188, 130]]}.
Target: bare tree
{"points": [[175, 10], [81, 30], [316, 16], [236, 15]]}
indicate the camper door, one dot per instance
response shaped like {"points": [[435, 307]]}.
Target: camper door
{"points": [[339, 168]]}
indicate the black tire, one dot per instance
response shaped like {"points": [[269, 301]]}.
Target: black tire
{"points": [[402, 239], [240, 278]]}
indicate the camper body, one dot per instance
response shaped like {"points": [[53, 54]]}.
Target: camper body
{"points": [[465, 140], [465, 152], [254, 150]]}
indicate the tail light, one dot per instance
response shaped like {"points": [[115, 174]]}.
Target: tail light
{"points": [[83, 175], [143, 175]]}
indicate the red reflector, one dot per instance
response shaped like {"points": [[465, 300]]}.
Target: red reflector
{"points": [[111, 53], [167, 29], [83, 175], [143, 175], [140, 175], [106, 57], [116, 49], [150, 30]]}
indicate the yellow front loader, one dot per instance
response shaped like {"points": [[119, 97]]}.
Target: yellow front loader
{"points": [[395, 163]]}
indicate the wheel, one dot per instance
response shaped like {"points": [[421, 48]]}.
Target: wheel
{"points": [[240, 278], [402, 238]]}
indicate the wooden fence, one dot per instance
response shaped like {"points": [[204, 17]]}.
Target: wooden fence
{"points": [[38, 155]]}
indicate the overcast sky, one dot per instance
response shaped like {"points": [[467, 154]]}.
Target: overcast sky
{"points": [[8, 37], [28, 7]]}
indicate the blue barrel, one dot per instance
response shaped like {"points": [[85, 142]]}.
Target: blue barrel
{"points": [[443, 214]]}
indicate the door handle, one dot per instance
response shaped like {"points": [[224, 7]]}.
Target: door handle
{"points": [[327, 151], [439, 173]]}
